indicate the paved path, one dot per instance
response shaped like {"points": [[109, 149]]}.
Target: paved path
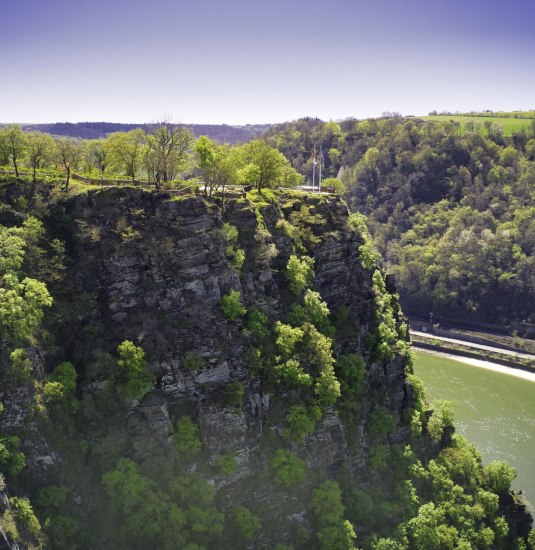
{"points": [[473, 345]]}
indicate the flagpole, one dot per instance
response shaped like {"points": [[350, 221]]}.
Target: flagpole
{"points": [[321, 162]]}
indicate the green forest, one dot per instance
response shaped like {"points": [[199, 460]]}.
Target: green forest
{"points": [[195, 355]]}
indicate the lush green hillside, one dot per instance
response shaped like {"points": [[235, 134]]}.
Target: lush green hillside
{"points": [[453, 213]]}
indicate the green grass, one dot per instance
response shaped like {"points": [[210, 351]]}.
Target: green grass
{"points": [[509, 125]]}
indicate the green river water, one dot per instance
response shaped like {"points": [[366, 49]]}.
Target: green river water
{"points": [[494, 410]]}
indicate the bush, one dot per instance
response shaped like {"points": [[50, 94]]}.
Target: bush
{"points": [[24, 516], [12, 461], [256, 323], [231, 305], [20, 369], [498, 476], [441, 418], [139, 379], [227, 464], [192, 361], [233, 394], [299, 273], [381, 424], [288, 469], [59, 390], [245, 522], [301, 421], [186, 438]]}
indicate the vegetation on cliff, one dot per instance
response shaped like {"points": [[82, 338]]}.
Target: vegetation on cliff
{"points": [[165, 394]]}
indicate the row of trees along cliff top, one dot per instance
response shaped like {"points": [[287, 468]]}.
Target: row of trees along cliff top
{"points": [[159, 154]]}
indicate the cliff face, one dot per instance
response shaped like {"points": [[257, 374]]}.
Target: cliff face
{"points": [[153, 270]]}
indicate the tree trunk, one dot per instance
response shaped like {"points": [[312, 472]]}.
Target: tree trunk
{"points": [[16, 167], [68, 178], [34, 172]]}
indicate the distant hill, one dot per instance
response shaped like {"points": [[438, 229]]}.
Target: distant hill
{"points": [[222, 133]]}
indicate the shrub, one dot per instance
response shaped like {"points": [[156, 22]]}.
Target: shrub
{"points": [[256, 323], [301, 421], [231, 305], [350, 371], [233, 394], [20, 368], [139, 379], [441, 418], [245, 522], [291, 375], [313, 310], [498, 476], [381, 424], [24, 516], [226, 464], [59, 390], [287, 338], [186, 438], [12, 461], [192, 361], [299, 273], [288, 469]]}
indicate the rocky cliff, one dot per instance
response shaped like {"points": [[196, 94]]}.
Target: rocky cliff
{"points": [[154, 270]]}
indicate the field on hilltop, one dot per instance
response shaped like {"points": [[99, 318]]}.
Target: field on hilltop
{"points": [[509, 124]]}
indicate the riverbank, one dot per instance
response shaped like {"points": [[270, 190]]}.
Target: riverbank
{"points": [[471, 350], [495, 367]]}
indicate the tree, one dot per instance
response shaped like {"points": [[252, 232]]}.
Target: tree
{"points": [[167, 147], [214, 164], [97, 155], [125, 151], [13, 143], [264, 166], [69, 153], [139, 379], [40, 149]]}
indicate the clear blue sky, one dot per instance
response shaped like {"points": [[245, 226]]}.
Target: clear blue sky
{"points": [[249, 61]]}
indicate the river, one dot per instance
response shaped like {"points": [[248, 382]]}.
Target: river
{"points": [[494, 409]]}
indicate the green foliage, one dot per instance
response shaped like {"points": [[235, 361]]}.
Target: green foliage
{"points": [[287, 338], [441, 418], [231, 305], [369, 256], [20, 368], [299, 273], [12, 461], [139, 379], [288, 469], [498, 476], [381, 424], [186, 438], [233, 394], [245, 522], [388, 336], [332, 531], [236, 255], [257, 323], [301, 421], [227, 464], [350, 371], [59, 390], [25, 517], [192, 361], [21, 305], [313, 310]]}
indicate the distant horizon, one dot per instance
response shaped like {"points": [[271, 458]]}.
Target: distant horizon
{"points": [[439, 112]]}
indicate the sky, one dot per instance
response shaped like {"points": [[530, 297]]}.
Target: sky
{"points": [[250, 61]]}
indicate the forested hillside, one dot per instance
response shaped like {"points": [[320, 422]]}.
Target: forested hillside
{"points": [[451, 210], [223, 133]]}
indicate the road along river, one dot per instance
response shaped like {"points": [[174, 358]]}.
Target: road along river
{"points": [[494, 408]]}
